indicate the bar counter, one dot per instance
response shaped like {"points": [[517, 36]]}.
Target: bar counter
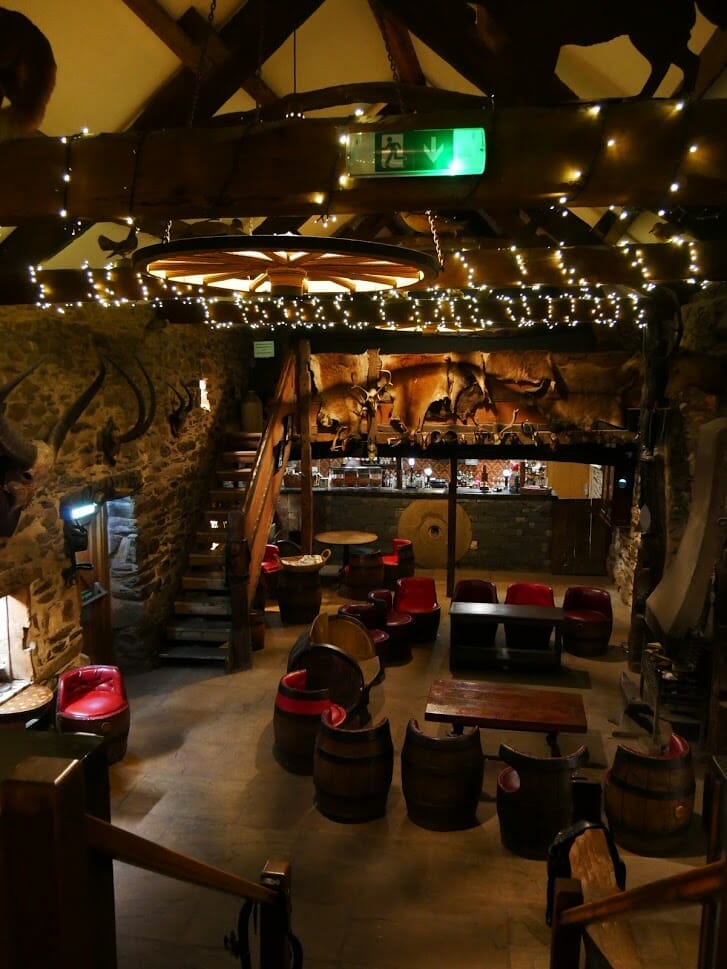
{"points": [[510, 531]]}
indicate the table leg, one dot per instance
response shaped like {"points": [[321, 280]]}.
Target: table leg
{"points": [[457, 729], [552, 741]]}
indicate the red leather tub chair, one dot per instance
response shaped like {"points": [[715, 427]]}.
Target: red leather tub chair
{"points": [[588, 620], [398, 625], [92, 699], [417, 595], [399, 563], [522, 636]]}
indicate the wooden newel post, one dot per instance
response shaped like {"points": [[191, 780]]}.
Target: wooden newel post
{"points": [[275, 947], [44, 867], [237, 577], [565, 940]]}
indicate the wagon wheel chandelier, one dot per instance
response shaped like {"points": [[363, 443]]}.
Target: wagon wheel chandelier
{"points": [[286, 265]]}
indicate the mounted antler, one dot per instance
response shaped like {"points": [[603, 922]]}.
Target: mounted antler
{"points": [[179, 414], [110, 440], [24, 463]]}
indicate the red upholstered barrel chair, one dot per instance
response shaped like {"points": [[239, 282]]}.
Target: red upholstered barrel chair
{"points": [[521, 635], [92, 699], [399, 563], [587, 620], [478, 590], [399, 626], [271, 566], [417, 595], [299, 704]]}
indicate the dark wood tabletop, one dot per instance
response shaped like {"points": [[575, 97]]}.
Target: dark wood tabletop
{"points": [[502, 612], [505, 707]]}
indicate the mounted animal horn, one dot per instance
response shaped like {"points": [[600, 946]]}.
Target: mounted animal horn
{"points": [[110, 440], [25, 463]]}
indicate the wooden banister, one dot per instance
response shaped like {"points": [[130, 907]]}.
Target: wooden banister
{"points": [[706, 885], [45, 861], [133, 850], [698, 885]]}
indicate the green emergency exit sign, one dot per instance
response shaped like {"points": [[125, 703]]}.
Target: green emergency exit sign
{"points": [[435, 151]]}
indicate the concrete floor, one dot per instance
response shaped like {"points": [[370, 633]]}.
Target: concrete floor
{"points": [[200, 778]]}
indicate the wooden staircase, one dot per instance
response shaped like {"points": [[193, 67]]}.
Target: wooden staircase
{"points": [[200, 627], [211, 624]]}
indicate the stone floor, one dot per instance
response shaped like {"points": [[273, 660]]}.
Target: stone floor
{"points": [[200, 778]]}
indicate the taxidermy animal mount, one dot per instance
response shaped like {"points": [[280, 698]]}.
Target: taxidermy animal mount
{"points": [[185, 404], [120, 247], [110, 440], [24, 463], [526, 36], [27, 74]]}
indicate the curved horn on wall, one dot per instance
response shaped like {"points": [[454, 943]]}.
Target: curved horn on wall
{"points": [[110, 440]]}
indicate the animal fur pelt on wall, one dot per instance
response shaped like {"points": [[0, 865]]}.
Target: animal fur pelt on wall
{"points": [[27, 74]]}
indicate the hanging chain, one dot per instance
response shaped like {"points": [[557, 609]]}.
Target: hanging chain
{"points": [[201, 64], [392, 61], [259, 65], [435, 236]]}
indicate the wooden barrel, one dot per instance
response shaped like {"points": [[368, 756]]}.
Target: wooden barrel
{"points": [[299, 595], [441, 778], [352, 771], [365, 571], [535, 798], [649, 801], [296, 718]]}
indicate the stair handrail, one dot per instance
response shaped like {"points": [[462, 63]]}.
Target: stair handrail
{"points": [[571, 915], [55, 849], [268, 470]]}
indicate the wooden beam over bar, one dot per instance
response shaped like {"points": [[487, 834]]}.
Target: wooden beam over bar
{"points": [[537, 156]]}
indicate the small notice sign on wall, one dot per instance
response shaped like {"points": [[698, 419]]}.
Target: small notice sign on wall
{"points": [[263, 349]]}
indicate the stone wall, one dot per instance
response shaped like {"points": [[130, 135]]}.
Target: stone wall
{"points": [[167, 473]]}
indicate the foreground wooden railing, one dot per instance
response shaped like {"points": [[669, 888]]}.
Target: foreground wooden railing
{"points": [[55, 863], [706, 885]]}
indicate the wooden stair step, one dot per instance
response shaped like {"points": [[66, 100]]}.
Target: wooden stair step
{"points": [[198, 629], [233, 474], [195, 653], [211, 535], [211, 560], [243, 439], [228, 497], [213, 581], [203, 607], [238, 455]]}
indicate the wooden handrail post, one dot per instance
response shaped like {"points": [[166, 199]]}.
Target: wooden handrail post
{"points": [[237, 575], [46, 867], [565, 940], [306, 462], [275, 951]]}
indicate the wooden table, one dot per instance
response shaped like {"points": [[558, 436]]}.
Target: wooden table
{"points": [[346, 537], [29, 703], [503, 707], [465, 617]]}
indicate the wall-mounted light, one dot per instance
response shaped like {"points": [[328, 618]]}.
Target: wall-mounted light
{"points": [[76, 512]]}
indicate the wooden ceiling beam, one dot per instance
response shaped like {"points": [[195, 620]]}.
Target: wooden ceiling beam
{"points": [[399, 46], [448, 28], [251, 35], [558, 271], [537, 156]]}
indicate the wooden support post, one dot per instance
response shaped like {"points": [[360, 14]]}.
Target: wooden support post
{"points": [[275, 951], [237, 576], [306, 463], [565, 943], [451, 524], [45, 867]]}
